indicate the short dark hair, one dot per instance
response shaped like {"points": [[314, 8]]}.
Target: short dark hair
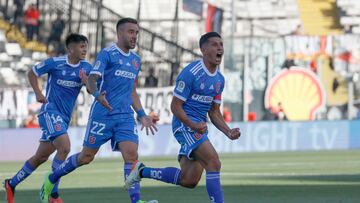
{"points": [[75, 38], [122, 21], [204, 38]]}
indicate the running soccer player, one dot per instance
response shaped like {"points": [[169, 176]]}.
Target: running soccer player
{"points": [[112, 83], [66, 75], [197, 93]]}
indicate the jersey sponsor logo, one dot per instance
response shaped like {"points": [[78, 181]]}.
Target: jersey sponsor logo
{"points": [[97, 65], [218, 85], [68, 83], [125, 74], [181, 86], [202, 98], [135, 64]]}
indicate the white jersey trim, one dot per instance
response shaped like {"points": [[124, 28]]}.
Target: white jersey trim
{"points": [[34, 70], [179, 96], [95, 72], [207, 71]]}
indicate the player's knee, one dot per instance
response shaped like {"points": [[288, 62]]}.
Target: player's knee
{"points": [[130, 156], [189, 183], [39, 159], [214, 165], [189, 180], [86, 159], [63, 151]]}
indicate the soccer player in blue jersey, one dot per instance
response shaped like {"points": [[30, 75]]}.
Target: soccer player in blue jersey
{"points": [[66, 75], [112, 83], [197, 93]]}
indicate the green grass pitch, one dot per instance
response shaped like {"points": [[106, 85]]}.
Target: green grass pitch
{"points": [[276, 177]]}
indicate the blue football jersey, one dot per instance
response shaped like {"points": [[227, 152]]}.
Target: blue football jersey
{"points": [[198, 88], [118, 71], [63, 83]]}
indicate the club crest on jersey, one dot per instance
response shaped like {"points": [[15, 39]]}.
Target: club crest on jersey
{"points": [[197, 136], [92, 139], [40, 65], [58, 127], [202, 86], [135, 64], [217, 87], [121, 61], [181, 86], [63, 72], [97, 65]]}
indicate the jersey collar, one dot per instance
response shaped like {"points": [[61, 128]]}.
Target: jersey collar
{"points": [[72, 65], [121, 51], [206, 70]]}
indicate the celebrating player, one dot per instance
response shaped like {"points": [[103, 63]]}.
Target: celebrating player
{"points": [[111, 82], [197, 93], [66, 75]]}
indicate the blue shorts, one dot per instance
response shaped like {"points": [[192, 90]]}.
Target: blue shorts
{"points": [[99, 131], [189, 141], [53, 125]]}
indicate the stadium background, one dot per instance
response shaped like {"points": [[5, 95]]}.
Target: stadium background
{"points": [[304, 54]]}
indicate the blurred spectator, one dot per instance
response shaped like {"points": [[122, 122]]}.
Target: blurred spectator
{"points": [[348, 29], [270, 114], [31, 121], [57, 30], [288, 63], [251, 116], [281, 114], [151, 80], [32, 15], [19, 13], [227, 114], [298, 30], [357, 105]]}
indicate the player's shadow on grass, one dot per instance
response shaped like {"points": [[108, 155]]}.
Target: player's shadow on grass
{"points": [[233, 194]]}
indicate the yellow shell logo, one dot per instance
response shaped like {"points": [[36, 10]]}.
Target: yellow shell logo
{"points": [[299, 91]]}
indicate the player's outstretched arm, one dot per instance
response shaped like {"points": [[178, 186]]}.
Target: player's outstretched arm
{"points": [[92, 89], [218, 120], [178, 111], [147, 122], [33, 80]]}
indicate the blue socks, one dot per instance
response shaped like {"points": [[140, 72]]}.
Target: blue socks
{"points": [[66, 167], [167, 175], [213, 187], [134, 191], [22, 174], [55, 164]]}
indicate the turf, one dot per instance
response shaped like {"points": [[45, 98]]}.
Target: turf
{"points": [[299, 177]]}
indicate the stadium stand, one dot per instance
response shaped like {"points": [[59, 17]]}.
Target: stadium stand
{"points": [[349, 15], [319, 17]]}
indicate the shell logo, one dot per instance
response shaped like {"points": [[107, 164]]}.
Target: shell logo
{"points": [[299, 91]]}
